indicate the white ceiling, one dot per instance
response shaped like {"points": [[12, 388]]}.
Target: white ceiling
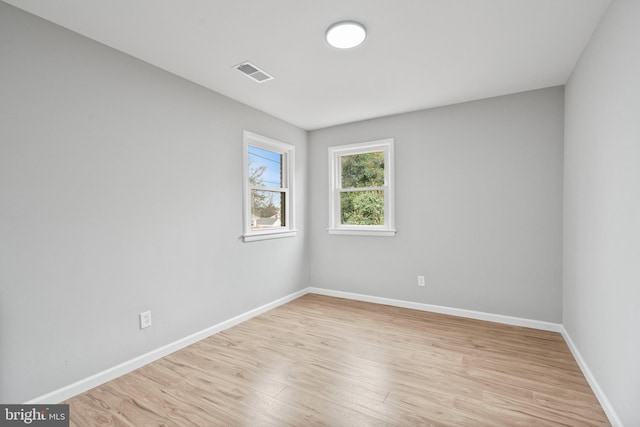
{"points": [[418, 53]]}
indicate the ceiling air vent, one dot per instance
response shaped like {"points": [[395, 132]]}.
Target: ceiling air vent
{"points": [[253, 72]]}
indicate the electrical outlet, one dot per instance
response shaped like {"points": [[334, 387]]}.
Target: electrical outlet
{"points": [[421, 281], [145, 319]]}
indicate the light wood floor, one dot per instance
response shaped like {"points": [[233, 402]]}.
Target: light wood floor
{"points": [[329, 361]]}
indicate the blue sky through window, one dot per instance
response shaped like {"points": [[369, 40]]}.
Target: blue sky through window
{"points": [[272, 162]]}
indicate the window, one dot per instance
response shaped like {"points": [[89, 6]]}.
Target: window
{"points": [[361, 198], [268, 188]]}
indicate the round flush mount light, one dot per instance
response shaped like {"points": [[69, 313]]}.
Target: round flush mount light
{"points": [[346, 34]]}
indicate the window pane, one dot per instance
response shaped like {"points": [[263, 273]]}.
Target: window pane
{"points": [[267, 209], [362, 207], [362, 170], [265, 168]]}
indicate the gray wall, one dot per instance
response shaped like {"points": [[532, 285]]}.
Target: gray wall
{"points": [[120, 192], [478, 209], [602, 208]]}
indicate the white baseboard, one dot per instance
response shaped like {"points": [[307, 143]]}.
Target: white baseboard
{"points": [[83, 385], [95, 380], [479, 315], [595, 386]]}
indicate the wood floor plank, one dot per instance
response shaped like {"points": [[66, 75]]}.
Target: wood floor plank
{"points": [[323, 361]]}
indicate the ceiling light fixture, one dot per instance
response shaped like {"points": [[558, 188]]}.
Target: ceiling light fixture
{"points": [[346, 34]]}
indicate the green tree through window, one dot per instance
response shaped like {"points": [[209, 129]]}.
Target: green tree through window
{"points": [[360, 202], [361, 189]]}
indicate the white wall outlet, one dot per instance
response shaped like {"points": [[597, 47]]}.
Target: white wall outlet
{"points": [[145, 319], [421, 281]]}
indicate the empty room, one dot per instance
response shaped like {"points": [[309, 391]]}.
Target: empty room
{"points": [[341, 213]]}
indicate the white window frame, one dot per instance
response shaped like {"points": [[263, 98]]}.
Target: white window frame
{"points": [[335, 175], [288, 164]]}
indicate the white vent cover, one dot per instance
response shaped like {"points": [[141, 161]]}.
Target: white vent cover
{"points": [[253, 72]]}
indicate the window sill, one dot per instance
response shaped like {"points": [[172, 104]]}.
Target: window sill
{"points": [[268, 235], [363, 232]]}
